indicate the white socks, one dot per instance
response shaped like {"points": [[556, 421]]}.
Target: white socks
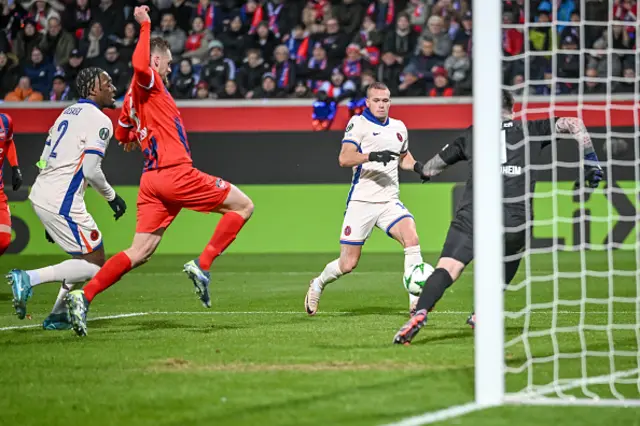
{"points": [[72, 273], [412, 256], [69, 271], [330, 273]]}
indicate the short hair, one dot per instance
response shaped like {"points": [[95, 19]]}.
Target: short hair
{"points": [[159, 44], [378, 85], [507, 100], [86, 80]]}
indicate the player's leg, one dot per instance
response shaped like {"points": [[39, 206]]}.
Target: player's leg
{"points": [[5, 225], [359, 221]]}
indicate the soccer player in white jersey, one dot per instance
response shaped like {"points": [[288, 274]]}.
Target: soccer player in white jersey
{"points": [[71, 159], [374, 145]]}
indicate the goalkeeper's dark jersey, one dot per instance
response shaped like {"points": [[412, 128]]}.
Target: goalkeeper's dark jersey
{"points": [[513, 158]]}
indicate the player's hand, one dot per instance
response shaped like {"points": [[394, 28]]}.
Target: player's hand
{"points": [[16, 179], [419, 168], [118, 206], [141, 14], [48, 237], [383, 157], [593, 173]]}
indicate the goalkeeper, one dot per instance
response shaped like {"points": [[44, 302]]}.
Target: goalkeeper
{"points": [[457, 251]]}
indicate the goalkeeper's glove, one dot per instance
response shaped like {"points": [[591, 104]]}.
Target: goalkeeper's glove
{"points": [[418, 168], [118, 206], [593, 174], [16, 180], [383, 157]]}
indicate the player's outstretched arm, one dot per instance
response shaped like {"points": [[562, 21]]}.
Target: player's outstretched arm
{"points": [[92, 169], [12, 154], [141, 55], [593, 174], [406, 161]]}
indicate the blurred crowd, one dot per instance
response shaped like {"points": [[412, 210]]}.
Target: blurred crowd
{"points": [[321, 49]]}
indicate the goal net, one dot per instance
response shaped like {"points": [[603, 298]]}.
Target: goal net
{"points": [[572, 314]]}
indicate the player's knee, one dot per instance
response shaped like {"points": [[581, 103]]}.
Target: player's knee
{"points": [[247, 209], [5, 240]]}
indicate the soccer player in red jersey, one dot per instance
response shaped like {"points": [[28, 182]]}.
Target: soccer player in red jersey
{"points": [[169, 181], [8, 150]]}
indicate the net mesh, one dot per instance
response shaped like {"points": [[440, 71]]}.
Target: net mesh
{"points": [[572, 314]]}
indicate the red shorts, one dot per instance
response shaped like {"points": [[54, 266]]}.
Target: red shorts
{"points": [[164, 192]]}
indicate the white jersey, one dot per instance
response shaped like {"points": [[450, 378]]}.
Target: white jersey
{"points": [[81, 130], [374, 182]]}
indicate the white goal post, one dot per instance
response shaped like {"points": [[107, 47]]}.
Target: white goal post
{"points": [[567, 331]]}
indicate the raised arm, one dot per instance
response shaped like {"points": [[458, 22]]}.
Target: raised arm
{"points": [[141, 55], [593, 174], [11, 153], [449, 155]]}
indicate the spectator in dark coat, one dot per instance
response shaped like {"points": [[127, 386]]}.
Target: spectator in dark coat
{"points": [[39, 72], [402, 41], [349, 14], [441, 86], [334, 41], [218, 69], [230, 91], [126, 44], [265, 41], [251, 72], [11, 17], [57, 44], [389, 72], [71, 70], [95, 43], [235, 40], [27, 39], [117, 69], [211, 15], [111, 16], [60, 90], [268, 89], [418, 74], [77, 18], [183, 11], [9, 72], [184, 84], [318, 68], [284, 70]]}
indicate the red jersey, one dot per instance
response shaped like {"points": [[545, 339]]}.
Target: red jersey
{"points": [[7, 147], [153, 113]]}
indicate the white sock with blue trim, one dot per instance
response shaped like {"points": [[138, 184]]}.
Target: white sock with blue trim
{"points": [[330, 273], [412, 256], [70, 271]]}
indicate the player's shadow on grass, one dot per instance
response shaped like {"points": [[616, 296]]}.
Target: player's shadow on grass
{"points": [[425, 339]]}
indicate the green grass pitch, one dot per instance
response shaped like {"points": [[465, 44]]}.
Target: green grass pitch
{"points": [[256, 358]]}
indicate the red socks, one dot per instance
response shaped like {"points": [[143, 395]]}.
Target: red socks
{"points": [[226, 231], [5, 240], [108, 275]]}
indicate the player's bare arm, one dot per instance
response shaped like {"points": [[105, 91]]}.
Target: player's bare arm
{"points": [[593, 174], [350, 157], [406, 161]]}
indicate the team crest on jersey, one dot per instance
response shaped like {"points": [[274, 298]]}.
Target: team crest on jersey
{"points": [[94, 235], [349, 127], [399, 136], [347, 231], [221, 183], [104, 134]]}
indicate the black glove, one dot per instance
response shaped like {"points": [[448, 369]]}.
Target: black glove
{"points": [[593, 174], [48, 237], [16, 180], [418, 167], [118, 206], [383, 157]]}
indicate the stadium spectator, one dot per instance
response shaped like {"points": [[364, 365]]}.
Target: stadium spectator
{"points": [[573, 29], [276, 13], [284, 70], [298, 44], [264, 40], [369, 39], [268, 88], [441, 85], [39, 71], [197, 44], [127, 43], [440, 38], [95, 43], [383, 13], [518, 83], [349, 14], [338, 87], [184, 83], [110, 17], [318, 68], [302, 91], [463, 35], [175, 36], [591, 85], [11, 17], [458, 68], [569, 64], [629, 84], [621, 40], [626, 10], [450, 9], [182, 10], [211, 15], [390, 71], [235, 40], [247, 14], [23, 92], [418, 12], [230, 91], [57, 44], [60, 91], [27, 39], [154, 12], [41, 10], [118, 70], [218, 69], [512, 38], [9, 72], [77, 17], [401, 42], [353, 65], [334, 40], [251, 72], [202, 90], [71, 70], [418, 74]]}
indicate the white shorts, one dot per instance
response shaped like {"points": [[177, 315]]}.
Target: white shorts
{"points": [[76, 234], [361, 217]]}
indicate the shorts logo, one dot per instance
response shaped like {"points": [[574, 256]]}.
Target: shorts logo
{"points": [[221, 184], [399, 137], [94, 235], [347, 231]]}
